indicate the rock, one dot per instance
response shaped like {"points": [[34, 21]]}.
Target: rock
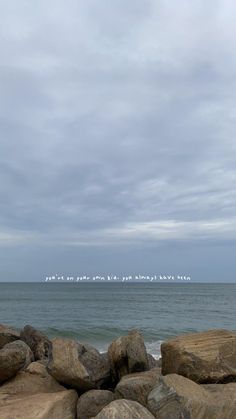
{"points": [[125, 409], [128, 354], [97, 365], [34, 379], [176, 397], [138, 385], [152, 362], [34, 394], [7, 335], [206, 357], [92, 402], [14, 356], [77, 365], [37, 341], [60, 405]]}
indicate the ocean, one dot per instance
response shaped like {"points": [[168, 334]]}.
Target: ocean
{"points": [[97, 313]]}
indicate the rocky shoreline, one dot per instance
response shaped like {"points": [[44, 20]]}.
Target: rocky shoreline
{"points": [[65, 379]]}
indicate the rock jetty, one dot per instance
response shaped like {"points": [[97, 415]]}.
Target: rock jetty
{"points": [[65, 379]]}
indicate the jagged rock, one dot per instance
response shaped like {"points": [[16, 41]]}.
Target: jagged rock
{"points": [[125, 409], [14, 356], [77, 365], [128, 354], [205, 357], [92, 402], [177, 397], [37, 341], [7, 335], [138, 385], [60, 405]]}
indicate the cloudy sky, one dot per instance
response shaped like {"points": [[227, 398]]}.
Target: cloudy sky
{"points": [[117, 138]]}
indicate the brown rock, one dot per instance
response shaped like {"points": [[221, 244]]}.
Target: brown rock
{"points": [[14, 356], [177, 397], [60, 405], [206, 357], [34, 379], [128, 354], [92, 402], [124, 409], [7, 335], [77, 365], [37, 341], [34, 394], [138, 385]]}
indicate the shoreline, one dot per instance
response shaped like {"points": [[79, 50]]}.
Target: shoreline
{"points": [[66, 379]]}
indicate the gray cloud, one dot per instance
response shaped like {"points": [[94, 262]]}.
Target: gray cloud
{"points": [[117, 125]]}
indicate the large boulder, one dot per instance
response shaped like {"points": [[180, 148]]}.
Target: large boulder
{"points": [[34, 394], [34, 379], [205, 357], [77, 365], [137, 386], [60, 405], [97, 365], [92, 402], [176, 397], [7, 335], [37, 341], [128, 354], [125, 409], [14, 356]]}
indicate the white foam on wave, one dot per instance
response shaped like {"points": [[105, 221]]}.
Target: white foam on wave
{"points": [[154, 348]]}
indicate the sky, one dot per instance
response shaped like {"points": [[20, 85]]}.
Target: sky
{"points": [[117, 138]]}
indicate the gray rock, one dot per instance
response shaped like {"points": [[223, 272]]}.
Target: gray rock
{"points": [[7, 335], [14, 356], [124, 409], [177, 397], [92, 402], [40, 345], [152, 362], [138, 385]]}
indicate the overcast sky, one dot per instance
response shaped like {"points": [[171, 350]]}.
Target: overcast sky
{"points": [[117, 138]]}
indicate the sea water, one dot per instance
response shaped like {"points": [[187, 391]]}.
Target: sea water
{"points": [[97, 313]]}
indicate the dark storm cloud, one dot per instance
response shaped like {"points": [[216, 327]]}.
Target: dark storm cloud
{"points": [[117, 122]]}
